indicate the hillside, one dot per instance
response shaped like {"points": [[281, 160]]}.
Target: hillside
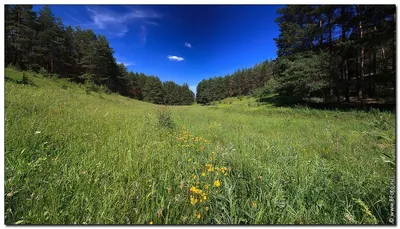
{"points": [[75, 156]]}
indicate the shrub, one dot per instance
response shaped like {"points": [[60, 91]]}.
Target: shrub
{"points": [[25, 79], [165, 118], [43, 71]]}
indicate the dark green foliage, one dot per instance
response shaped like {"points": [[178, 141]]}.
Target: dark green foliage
{"points": [[242, 82], [336, 52], [25, 79], [153, 91], [303, 75]]}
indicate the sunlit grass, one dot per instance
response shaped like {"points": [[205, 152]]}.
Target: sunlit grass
{"points": [[94, 158]]}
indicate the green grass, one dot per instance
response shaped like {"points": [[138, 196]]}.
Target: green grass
{"points": [[79, 157]]}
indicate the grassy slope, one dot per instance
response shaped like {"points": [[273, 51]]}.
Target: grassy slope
{"points": [[103, 159]]}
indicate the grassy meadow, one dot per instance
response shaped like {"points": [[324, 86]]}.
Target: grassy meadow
{"points": [[74, 156]]}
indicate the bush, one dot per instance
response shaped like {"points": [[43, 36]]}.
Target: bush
{"points": [[165, 118], [43, 71], [25, 79]]}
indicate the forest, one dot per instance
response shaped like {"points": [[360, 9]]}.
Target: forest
{"points": [[325, 53], [336, 54], [39, 42]]}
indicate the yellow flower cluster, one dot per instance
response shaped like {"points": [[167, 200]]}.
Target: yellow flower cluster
{"points": [[188, 140], [197, 195], [217, 170]]}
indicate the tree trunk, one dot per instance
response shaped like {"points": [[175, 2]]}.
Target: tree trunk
{"points": [[361, 72], [346, 73]]}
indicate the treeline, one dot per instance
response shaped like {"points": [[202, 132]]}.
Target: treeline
{"points": [[240, 83], [331, 53], [38, 41], [337, 52]]}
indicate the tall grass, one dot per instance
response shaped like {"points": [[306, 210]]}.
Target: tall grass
{"points": [[78, 158]]}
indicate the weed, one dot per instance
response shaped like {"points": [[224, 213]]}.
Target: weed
{"points": [[164, 117]]}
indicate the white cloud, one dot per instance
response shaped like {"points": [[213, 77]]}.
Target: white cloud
{"points": [[127, 63], [143, 34], [188, 45], [177, 58], [115, 24]]}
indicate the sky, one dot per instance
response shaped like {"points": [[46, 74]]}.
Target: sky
{"points": [[182, 43]]}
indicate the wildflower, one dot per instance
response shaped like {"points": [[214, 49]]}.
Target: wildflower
{"points": [[217, 183], [198, 215], [151, 222], [205, 197], [203, 174], [254, 204], [194, 176], [207, 186], [193, 200]]}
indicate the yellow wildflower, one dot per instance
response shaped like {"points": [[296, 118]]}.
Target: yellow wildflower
{"points": [[151, 222], [254, 204], [205, 197], [193, 200], [207, 186], [203, 174], [217, 183], [198, 215]]}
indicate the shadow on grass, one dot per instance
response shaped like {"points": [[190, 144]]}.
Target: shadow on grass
{"points": [[287, 101]]}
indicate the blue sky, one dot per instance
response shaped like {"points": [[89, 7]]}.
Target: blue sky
{"points": [[181, 43]]}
